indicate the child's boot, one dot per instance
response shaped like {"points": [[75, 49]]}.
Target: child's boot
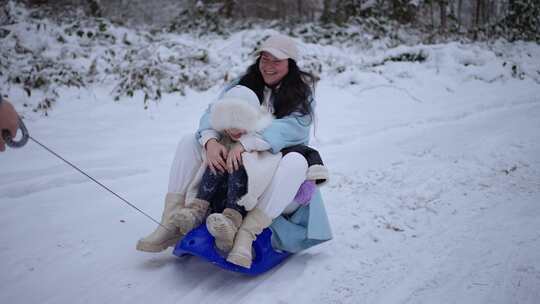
{"points": [[191, 216], [223, 227], [254, 223]]}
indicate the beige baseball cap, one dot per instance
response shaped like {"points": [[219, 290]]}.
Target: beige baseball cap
{"points": [[281, 47]]}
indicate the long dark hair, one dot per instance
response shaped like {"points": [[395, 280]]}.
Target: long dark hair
{"points": [[294, 92]]}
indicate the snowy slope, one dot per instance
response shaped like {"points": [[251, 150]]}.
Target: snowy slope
{"points": [[434, 194]]}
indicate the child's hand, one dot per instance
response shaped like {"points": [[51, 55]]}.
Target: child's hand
{"points": [[234, 158], [216, 154]]}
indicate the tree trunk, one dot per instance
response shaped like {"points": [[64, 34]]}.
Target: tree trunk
{"points": [[396, 5], [351, 8], [490, 14], [477, 13], [431, 15], [228, 7], [37, 2], [511, 5], [459, 8], [485, 12], [95, 8], [444, 21], [325, 17]]}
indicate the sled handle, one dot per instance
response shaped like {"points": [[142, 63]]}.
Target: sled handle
{"points": [[8, 138]]}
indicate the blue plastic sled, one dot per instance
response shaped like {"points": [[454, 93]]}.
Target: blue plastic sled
{"points": [[200, 242]]}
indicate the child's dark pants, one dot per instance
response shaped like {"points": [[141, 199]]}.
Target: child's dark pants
{"points": [[223, 190]]}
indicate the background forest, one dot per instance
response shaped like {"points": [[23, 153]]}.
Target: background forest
{"points": [[131, 46], [474, 19]]}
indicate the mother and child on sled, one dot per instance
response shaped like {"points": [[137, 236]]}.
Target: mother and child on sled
{"points": [[248, 166]]}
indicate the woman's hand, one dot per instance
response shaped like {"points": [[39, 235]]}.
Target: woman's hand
{"points": [[234, 159], [8, 121], [216, 155]]}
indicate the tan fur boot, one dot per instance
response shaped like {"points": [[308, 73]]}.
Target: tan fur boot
{"points": [[223, 227], [162, 238], [191, 216], [254, 223]]}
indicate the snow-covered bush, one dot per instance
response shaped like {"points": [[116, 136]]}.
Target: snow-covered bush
{"points": [[40, 55]]}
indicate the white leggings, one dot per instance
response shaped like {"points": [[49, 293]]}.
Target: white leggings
{"points": [[276, 199]]}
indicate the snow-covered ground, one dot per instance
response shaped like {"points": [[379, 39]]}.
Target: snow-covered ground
{"points": [[434, 194]]}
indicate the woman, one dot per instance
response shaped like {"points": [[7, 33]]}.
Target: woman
{"points": [[286, 91]]}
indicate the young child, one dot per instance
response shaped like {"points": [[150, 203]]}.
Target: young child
{"points": [[237, 113]]}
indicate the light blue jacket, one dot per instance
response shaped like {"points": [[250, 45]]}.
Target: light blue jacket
{"points": [[281, 133], [308, 225]]}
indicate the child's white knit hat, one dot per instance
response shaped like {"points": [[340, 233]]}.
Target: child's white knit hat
{"points": [[239, 108]]}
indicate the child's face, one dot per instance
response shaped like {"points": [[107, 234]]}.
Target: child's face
{"points": [[235, 134]]}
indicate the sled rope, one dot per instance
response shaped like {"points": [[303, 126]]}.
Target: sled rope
{"points": [[97, 182]]}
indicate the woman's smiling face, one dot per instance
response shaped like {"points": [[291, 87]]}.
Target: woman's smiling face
{"points": [[273, 69]]}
